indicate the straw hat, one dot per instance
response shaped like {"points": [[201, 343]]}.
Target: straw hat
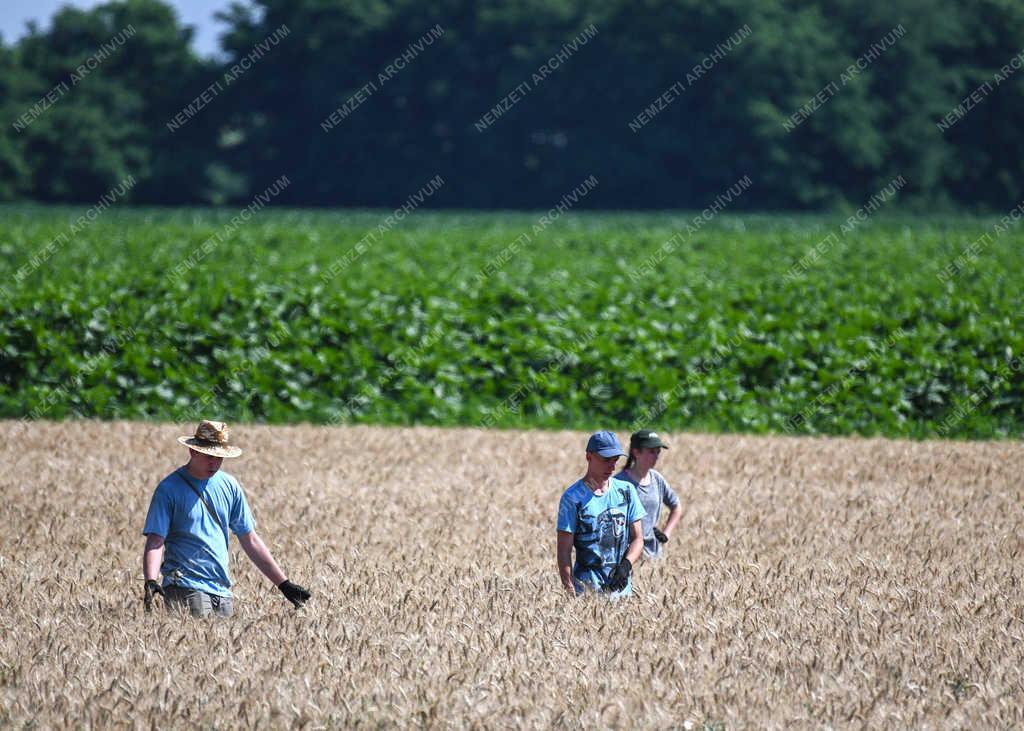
{"points": [[211, 438]]}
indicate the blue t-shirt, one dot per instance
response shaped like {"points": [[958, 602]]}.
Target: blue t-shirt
{"points": [[195, 546], [600, 528]]}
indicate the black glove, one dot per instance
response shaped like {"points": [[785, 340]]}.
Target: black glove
{"points": [[152, 587], [662, 538], [620, 575], [294, 593]]}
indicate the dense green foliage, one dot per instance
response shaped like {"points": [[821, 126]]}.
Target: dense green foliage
{"points": [[712, 128], [747, 323]]}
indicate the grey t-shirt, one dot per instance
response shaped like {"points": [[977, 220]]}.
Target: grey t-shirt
{"points": [[652, 495]]}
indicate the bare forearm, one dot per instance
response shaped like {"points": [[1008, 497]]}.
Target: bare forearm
{"points": [[636, 542], [152, 557], [564, 558], [260, 555], [565, 573], [673, 519], [636, 547]]}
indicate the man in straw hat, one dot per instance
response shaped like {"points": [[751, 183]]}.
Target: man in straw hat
{"points": [[187, 531]]}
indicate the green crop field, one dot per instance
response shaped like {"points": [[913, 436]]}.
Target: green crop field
{"points": [[890, 325]]}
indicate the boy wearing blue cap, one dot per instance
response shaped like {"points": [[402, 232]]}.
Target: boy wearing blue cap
{"points": [[600, 517]]}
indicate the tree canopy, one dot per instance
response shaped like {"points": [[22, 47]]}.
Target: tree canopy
{"points": [[666, 103]]}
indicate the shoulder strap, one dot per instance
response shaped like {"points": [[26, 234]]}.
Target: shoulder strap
{"points": [[199, 495]]}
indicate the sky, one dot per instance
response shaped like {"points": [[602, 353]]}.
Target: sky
{"points": [[198, 13]]}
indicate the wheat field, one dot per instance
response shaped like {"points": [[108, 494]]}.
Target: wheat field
{"points": [[845, 583]]}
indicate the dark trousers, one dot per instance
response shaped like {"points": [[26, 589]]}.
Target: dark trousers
{"points": [[197, 603]]}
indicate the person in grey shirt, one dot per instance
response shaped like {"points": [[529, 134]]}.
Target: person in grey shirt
{"points": [[644, 448]]}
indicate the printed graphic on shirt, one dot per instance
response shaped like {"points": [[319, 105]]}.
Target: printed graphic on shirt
{"points": [[612, 526], [600, 525], [601, 537]]}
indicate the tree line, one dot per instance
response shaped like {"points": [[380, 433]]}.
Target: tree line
{"points": [[665, 103]]}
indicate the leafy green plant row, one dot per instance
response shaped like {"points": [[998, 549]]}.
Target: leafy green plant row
{"points": [[496, 320]]}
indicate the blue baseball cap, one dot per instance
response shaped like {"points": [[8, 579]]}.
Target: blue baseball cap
{"points": [[606, 444]]}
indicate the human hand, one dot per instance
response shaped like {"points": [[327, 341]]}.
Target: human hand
{"points": [[152, 587], [620, 575], [294, 593], [662, 538]]}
